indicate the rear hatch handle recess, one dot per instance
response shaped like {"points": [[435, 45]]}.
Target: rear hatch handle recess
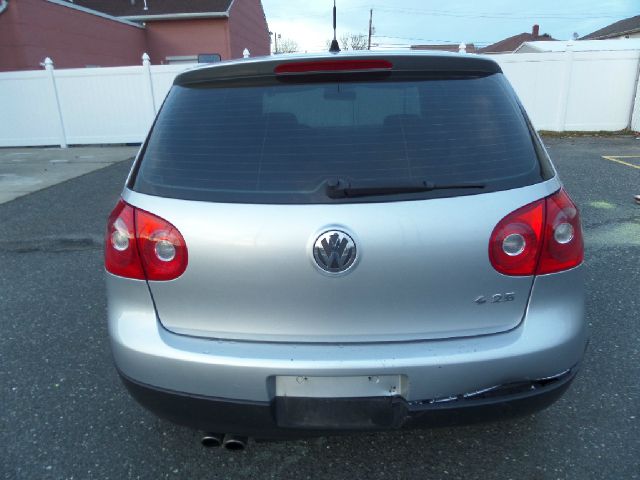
{"points": [[339, 188]]}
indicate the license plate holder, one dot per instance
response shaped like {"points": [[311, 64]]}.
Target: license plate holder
{"points": [[372, 413], [346, 403], [341, 387]]}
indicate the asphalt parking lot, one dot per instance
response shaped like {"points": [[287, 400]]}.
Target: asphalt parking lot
{"points": [[64, 413]]}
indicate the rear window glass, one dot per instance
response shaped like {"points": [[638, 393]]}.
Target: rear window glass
{"points": [[282, 142]]}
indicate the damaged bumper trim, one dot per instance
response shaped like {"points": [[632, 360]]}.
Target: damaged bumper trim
{"points": [[502, 390], [260, 419]]}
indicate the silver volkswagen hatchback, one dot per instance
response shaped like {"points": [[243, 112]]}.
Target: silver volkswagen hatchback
{"points": [[337, 243]]}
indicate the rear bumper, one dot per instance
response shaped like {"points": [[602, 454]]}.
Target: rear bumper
{"points": [[270, 420], [204, 374]]}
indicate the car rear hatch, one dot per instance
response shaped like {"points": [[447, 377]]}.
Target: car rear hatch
{"points": [[415, 163]]}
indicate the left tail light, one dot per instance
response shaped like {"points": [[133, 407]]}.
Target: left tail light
{"points": [[142, 246], [563, 245], [542, 237]]}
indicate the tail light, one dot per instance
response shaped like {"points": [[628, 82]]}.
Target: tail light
{"points": [[563, 247], [333, 66], [515, 242], [120, 250], [542, 237], [141, 245]]}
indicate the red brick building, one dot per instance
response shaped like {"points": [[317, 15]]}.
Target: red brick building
{"points": [[508, 45], [83, 33]]}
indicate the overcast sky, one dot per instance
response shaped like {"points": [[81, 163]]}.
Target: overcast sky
{"points": [[400, 23]]}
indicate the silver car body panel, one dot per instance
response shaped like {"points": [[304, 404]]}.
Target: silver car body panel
{"points": [[420, 266], [254, 318], [551, 338]]}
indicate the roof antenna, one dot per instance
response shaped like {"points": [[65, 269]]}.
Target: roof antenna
{"points": [[334, 48]]}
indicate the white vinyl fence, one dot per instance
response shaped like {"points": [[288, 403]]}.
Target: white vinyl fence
{"points": [[82, 106], [587, 91]]}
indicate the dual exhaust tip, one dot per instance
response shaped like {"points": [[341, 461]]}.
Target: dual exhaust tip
{"points": [[228, 441]]}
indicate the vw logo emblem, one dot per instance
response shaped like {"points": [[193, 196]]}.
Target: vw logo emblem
{"points": [[334, 251]]}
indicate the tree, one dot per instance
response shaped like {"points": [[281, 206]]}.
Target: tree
{"points": [[353, 41], [286, 45]]}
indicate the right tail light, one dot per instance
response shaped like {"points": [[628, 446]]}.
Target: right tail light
{"points": [[542, 237]]}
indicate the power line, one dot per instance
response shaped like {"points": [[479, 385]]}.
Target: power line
{"points": [[466, 14], [499, 15], [326, 14], [426, 39]]}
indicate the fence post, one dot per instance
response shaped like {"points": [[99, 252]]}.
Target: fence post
{"points": [[635, 108], [48, 66], [565, 88], [146, 65]]}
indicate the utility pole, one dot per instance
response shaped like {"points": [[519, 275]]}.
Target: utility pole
{"points": [[276, 36], [370, 27]]}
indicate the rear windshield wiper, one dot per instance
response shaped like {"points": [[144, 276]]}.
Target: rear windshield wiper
{"points": [[338, 188]]}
